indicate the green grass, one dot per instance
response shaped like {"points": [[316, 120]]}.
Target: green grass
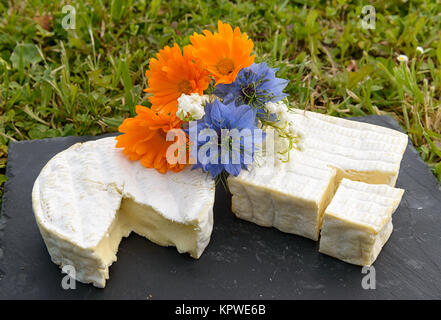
{"points": [[56, 82]]}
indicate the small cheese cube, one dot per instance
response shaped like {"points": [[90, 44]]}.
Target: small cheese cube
{"points": [[358, 221], [291, 196]]}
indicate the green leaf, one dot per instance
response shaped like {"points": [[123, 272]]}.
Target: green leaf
{"points": [[127, 81], [40, 131], [113, 122], [432, 145], [310, 19], [29, 55], [78, 43], [438, 51], [3, 178], [437, 170], [376, 88], [31, 114], [68, 130], [358, 76], [116, 10], [154, 7]]}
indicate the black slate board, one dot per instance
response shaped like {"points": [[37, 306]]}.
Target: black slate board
{"points": [[242, 261]]}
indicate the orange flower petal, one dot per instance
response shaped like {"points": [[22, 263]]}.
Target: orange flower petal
{"points": [[223, 53], [172, 73], [144, 138]]}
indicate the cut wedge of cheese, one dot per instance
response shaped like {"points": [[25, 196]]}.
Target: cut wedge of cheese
{"points": [[359, 151], [291, 196], [358, 221], [89, 196]]}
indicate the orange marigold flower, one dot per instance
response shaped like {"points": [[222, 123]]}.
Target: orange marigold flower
{"points": [[173, 73], [223, 53], [144, 138]]}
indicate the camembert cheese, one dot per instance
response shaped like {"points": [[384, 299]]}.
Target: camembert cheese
{"points": [[90, 196]]}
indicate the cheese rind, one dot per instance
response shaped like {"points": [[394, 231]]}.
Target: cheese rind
{"points": [[359, 151], [358, 221], [90, 196], [290, 197]]}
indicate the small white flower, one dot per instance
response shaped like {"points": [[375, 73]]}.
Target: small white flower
{"points": [[191, 107], [271, 107], [281, 146], [284, 119], [281, 110], [420, 49], [292, 130], [402, 58], [284, 127], [276, 107]]}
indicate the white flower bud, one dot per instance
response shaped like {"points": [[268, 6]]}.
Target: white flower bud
{"points": [[402, 58], [191, 107]]}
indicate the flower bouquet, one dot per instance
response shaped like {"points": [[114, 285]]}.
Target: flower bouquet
{"points": [[211, 106]]}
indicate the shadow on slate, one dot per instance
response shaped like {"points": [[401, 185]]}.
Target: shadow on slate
{"points": [[242, 261]]}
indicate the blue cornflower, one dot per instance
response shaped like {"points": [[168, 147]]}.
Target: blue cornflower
{"points": [[254, 86], [219, 149]]}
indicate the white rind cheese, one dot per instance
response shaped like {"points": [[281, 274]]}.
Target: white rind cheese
{"points": [[89, 196], [291, 196], [359, 151], [358, 221]]}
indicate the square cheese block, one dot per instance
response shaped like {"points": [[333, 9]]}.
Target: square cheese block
{"points": [[90, 196], [359, 151], [291, 196], [358, 221]]}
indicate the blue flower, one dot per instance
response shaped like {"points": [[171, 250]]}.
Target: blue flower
{"points": [[231, 149], [254, 86]]}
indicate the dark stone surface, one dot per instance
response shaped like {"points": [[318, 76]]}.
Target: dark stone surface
{"points": [[242, 261]]}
